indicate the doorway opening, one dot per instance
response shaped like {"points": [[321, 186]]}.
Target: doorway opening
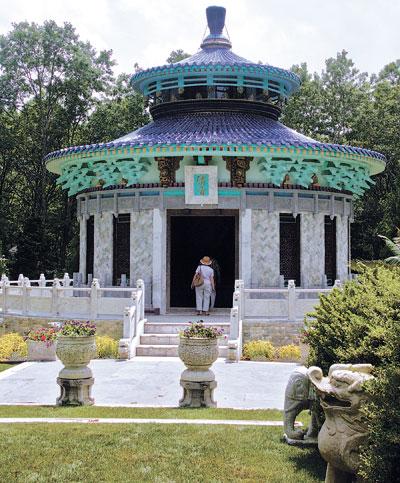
{"points": [[193, 234]]}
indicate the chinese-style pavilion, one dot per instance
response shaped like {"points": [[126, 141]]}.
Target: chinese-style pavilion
{"points": [[215, 173]]}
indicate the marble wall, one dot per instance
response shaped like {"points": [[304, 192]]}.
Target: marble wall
{"points": [[141, 246], [312, 249], [342, 247], [265, 270], [103, 247], [82, 245]]}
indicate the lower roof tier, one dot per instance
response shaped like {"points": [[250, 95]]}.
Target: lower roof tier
{"points": [[276, 150]]}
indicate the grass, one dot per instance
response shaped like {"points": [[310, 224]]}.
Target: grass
{"points": [[4, 366], [149, 453], [106, 412]]}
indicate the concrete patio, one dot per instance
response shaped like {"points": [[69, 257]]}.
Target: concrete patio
{"points": [[151, 381]]}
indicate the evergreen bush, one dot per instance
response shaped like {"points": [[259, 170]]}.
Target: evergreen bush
{"points": [[361, 323]]}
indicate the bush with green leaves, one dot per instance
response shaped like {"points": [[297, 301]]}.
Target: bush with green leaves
{"points": [[361, 323], [106, 347], [258, 350]]}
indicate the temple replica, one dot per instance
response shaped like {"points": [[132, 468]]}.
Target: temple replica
{"points": [[215, 173]]}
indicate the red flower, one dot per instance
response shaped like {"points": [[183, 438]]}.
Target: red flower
{"points": [[43, 337]]}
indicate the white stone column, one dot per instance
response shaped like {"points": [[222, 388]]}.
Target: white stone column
{"points": [[159, 260], [265, 269], [342, 247], [245, 247], [141, 248], [312, 249], [82, 246], [103, 247]]}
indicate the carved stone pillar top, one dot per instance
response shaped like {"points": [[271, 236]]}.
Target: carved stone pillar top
{"points": [[237, 167], [168, 167]]}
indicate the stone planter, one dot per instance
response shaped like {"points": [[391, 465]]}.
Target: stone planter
{"points": [[75, 379], [76, 353], [41, 350], [198, 381]]}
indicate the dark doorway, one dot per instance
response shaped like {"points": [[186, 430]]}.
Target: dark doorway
{"points": [[190, 238], [121, 248], [89, 246], [290, 247], [330, 249]]}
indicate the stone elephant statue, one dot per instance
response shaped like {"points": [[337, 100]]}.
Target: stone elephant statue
{"points": [[300, 395]]}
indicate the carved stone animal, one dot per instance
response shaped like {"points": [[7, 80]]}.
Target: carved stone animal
{"points": [[341, 395], [300, 395]]}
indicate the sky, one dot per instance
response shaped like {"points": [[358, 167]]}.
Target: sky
{"points": [[278, 32]]}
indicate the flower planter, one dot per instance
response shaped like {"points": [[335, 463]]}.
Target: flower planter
{"points": [[198, 381], [75, 352], [41, 350]]}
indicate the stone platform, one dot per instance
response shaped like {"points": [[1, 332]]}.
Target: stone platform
{"points": [[151, 381]]}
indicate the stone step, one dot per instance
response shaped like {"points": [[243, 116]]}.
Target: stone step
{"points": [[168, 350], [175, 328], [159, 339]]}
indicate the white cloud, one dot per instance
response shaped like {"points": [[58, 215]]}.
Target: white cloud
{"points": [[280, 32]]}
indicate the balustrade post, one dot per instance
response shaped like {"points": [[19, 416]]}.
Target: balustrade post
{"points": [[26, 287], [42, 284], [234, 322], [135, 303], [337, 284], [54, 297], [20, 280], [140, 286], [94, 298], [239, 286], [5, 284], [291, 300]]}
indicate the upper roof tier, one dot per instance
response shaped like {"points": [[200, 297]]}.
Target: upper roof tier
{"points": [[216, 65]]}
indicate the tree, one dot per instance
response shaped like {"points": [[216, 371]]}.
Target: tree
{"points": [[121, 112], [49, 80], [176, 56]]}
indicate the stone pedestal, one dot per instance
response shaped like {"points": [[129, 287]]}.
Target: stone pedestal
{"points": [[198, 394], [75, 392]]}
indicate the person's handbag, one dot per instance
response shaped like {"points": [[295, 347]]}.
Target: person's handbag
{"points": [[198, 279]]}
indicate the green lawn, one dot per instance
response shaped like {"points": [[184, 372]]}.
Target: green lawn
{"points": [[149, 453], [104, 412], [4, 366]]}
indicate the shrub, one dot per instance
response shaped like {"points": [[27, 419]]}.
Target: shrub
{"points": [[288, 352], [12, 347], [361, 323], [106, 347], [258, 349]]}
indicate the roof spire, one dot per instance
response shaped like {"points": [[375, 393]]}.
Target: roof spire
{"points": [[216, 24]]}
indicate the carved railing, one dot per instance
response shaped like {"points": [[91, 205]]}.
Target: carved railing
{"points": [[285, 304]]}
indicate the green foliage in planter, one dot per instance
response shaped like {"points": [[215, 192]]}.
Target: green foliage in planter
{"points": [[201, 331], [106, 347], [78, 328], [12, 347], [258, 349], [361, 323]]}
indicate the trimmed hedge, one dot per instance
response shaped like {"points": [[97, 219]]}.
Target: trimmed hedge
{"points": [[361, 323]]}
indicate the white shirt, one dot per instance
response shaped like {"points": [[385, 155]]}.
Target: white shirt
{"points": [[206, 272]]}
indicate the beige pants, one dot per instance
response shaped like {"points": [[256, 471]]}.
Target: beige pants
{"points": [[203, 295]]}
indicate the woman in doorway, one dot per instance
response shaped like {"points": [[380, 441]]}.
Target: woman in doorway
{"points": [[203, 291]]}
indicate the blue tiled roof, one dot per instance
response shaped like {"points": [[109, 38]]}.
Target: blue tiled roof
{"points": [[215, 56], [217, 128]]}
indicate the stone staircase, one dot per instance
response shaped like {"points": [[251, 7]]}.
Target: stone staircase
{"points": [[161, 338]]}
